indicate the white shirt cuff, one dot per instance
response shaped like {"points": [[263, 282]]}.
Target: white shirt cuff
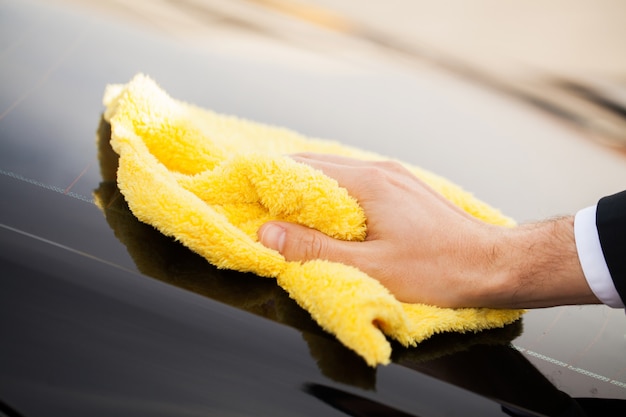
{"points": [[592, 259]]}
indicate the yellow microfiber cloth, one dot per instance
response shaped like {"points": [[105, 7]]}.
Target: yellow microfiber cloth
{"points": [[211, 181]]}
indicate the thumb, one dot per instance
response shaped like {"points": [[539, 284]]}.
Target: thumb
{"points": [[300, 243]]}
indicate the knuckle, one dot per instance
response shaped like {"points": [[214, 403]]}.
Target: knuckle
{"points": [[383, 170], [375, 173], [392, 166], [314, 246], [305, 245]]}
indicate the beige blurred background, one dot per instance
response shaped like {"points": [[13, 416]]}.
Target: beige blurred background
{"points": [[573, 37]]}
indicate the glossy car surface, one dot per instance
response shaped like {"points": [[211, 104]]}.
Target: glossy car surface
{"points": [[102, 315]]}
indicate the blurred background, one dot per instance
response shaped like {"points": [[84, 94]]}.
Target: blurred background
{"points": [[546, 80], [560, 37]]}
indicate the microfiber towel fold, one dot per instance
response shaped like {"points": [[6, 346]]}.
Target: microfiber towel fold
{"points": [[211, 181]]}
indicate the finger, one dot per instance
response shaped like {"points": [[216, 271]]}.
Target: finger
{"points": [[349, 177], [300, 243], [329, 162], [312, 158]]}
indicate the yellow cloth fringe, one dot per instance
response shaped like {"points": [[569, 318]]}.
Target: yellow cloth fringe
{"points": [[211, 181]]}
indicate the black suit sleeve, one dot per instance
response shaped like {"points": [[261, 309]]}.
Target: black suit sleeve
{"points": [[611, 224]]}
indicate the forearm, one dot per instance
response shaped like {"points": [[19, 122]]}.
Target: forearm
{"points": [[539, 267]]}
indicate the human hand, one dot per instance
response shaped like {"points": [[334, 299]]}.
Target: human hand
{"points": [[425, 249]]}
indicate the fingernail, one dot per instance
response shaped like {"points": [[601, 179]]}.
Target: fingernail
{"points": [[273, 237]]}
